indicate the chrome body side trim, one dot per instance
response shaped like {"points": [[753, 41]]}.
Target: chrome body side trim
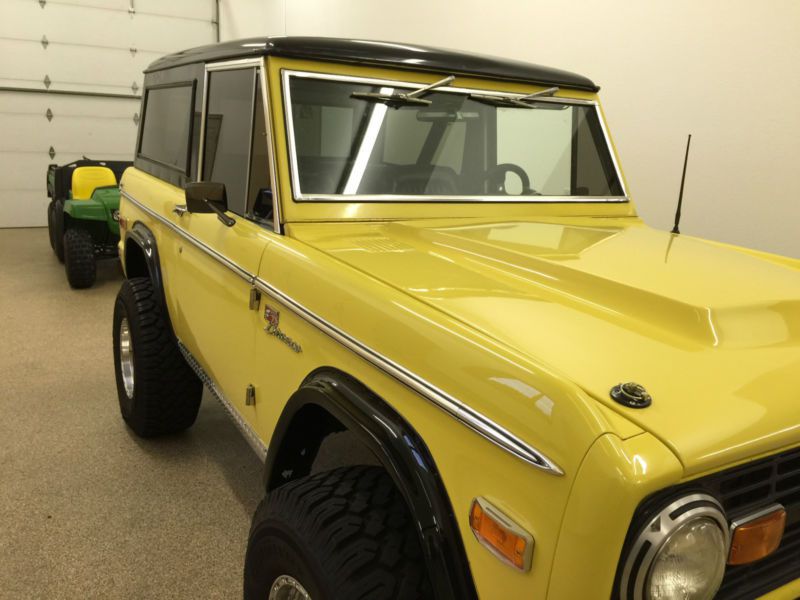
{"points": [[247, 431], [463, 413], [189, 238], [455, 408], [391, 198], [298, 195]]}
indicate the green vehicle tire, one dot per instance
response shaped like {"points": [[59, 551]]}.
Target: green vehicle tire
{"points": [[344, 533], [158, 391], [50, 232], [79, 261], [57, 231]]}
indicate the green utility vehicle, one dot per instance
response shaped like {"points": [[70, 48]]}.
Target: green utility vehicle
{"points": [[83, 215]]}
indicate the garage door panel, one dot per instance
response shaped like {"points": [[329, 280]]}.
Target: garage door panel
{"points": [[28, 174], [106, 123], [24, 208], [89, 50], [64, 22], [31, 173], [35, 104], [153, 33], [186, 8], [69, 69], [146, 28], [75, 135]]}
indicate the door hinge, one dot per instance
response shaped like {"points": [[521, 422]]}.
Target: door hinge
{"points": [[250, 396], [255, 299]]}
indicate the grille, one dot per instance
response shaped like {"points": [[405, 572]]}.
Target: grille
{"points": [[745, 489], [741, 491]]}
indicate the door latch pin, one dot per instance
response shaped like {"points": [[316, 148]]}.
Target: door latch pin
{"points": [[255, 298], [250, 396]]}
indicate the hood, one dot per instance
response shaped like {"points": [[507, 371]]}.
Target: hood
{"points": [[712, 332]]}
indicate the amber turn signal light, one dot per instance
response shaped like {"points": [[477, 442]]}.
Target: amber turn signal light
{"points": [[757, 535], [504, 538]]}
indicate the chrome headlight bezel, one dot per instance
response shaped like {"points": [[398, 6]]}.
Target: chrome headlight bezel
{"points": [[652, 538]]}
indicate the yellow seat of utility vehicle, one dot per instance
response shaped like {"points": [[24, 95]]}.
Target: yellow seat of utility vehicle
{"points": [[85, 180]]}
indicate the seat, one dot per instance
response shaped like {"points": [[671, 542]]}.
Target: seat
{"points": [[85, 180]]}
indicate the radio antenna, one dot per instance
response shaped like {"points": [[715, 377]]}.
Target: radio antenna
{"points": [[675, 229]]}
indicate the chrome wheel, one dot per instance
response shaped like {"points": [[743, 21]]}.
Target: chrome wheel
{"points": [[126, 356], [287, 587]]}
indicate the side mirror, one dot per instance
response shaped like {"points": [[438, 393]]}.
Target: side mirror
{"points": [[208, 197], [200, 194]]}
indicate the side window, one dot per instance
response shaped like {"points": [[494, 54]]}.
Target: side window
{"points": [[259, 191], [167, 125], [226, 150]]}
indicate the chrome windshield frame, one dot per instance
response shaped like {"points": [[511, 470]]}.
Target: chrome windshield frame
{"points": [[299, 196]]}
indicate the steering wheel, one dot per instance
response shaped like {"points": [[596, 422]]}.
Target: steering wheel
{"points": [[496, 176]]}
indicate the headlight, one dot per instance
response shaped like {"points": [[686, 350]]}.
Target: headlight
{"points": [[679, 554]]}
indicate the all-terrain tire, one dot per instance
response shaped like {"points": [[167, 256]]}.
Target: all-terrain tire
{"points": [[342, 534], [79, 261], [57, 230], [166, 392]]}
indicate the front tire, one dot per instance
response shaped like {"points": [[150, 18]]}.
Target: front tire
{"points": [[79, 261], [158, 391], [345, 533]]}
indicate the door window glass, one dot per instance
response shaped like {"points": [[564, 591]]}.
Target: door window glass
{"points": [[226, 151], [259, 193]]}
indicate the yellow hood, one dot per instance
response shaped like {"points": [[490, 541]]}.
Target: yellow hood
{"points": [[712, 332]]}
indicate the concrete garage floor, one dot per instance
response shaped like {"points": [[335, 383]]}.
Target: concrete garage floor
{"points": [[87, 510]]}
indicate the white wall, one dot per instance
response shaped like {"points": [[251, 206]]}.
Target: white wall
{"points": [[251, 18], [727, 71]]}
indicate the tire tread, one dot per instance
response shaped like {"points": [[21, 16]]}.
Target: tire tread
{"points": [[79, 261], [167, 392], [357, 527]]}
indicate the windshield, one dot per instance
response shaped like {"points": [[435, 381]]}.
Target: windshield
{"points": [[351, 141]]}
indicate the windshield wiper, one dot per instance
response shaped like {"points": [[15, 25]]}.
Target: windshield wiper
{"points": [[521, 102], [403, 98]]}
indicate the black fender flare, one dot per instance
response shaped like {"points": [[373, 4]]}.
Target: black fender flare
{"points": [[141, 235], [398, 447]]}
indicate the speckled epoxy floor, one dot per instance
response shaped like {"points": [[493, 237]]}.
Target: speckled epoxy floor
{"points": [[87, 510]]}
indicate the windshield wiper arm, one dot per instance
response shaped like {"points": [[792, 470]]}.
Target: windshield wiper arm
{"points": [[548, 92], [521, 102], [404, 98]]}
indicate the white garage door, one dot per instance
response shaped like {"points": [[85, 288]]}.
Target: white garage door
{"points": [[70, 80]]}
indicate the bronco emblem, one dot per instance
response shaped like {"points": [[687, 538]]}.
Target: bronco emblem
{"points": [[272, 317]]}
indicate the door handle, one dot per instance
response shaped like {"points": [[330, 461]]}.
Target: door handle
{"points": [[180, 209]]}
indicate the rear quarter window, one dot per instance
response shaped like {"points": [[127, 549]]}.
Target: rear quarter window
{"points": [[167, 125]]}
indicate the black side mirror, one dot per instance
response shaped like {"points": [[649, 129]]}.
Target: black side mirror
{"points": [[208, 197]]}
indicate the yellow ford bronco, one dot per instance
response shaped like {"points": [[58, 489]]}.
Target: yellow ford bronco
{"points": [[434, 257]]}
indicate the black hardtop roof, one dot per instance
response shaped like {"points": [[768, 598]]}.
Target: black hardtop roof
{"points": [[384, 54]]}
